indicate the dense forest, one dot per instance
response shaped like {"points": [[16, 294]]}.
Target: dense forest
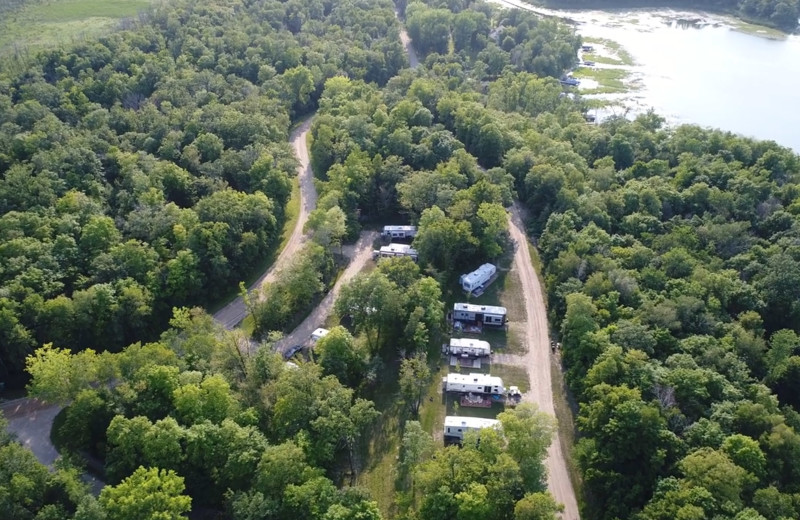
{"points": [[149, 170], [783, 14]]}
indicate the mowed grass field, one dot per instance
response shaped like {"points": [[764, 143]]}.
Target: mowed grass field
{"points": [[46, 23]]}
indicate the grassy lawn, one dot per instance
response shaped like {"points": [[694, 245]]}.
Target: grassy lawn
{"points": [[380, 473], [43, 23], [512, 375]]}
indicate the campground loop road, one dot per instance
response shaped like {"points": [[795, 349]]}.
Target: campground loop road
{"points": [[537, 363], [359, 255], [233, 313]]}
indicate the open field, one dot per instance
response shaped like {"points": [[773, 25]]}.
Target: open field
{"points": [[44, 23]]}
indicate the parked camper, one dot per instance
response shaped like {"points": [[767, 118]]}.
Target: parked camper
{"points": [[485, 314], [318, 334], [456, 427], [399, 232], [469, 347], [393, 250], [475, 383], [478, 278]]}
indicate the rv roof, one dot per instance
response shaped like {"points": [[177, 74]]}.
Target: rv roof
{"points": [[480, 273], [469, 307], [475, 378], [470, 422], [399, 228], [399, 248], [469, 342]]}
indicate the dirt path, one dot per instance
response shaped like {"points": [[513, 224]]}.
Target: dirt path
{"points": [[413, 61], [233, 313], [359, 255], [537, 363]]}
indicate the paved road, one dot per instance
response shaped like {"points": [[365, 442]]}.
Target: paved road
{"points": [[537, 363], [232, 314], [359, 255], [30, 420], [404, 38]]}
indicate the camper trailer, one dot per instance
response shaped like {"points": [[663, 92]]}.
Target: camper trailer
{"points": [[474, 383], [318, 334], [469, 347], [456, 427], [478, 278], [394, 250], [399, 232], [485, 314]]}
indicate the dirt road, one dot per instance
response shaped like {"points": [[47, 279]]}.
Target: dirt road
{"points": [[359, 255], [233, 313], [537, 363], [413, 61]]}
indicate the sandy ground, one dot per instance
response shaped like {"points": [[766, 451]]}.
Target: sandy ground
{"points": [[359, 255], [537, 363], [233, 313]]}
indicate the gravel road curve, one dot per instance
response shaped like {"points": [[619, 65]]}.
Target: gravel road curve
{"points": [[232, 314]]}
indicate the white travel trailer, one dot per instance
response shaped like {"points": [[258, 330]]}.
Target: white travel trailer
{"points": [[477, 278], [469, 347], [485, 314], [394, 250], [474, 383], [456, 427], [318, 334], [399, 232]]}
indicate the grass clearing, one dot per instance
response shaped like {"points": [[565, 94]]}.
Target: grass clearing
{"points": [[758, 30], [617, 52], [45, 23], [383, 450], [608, 80], [512, 375], [565, 409]]}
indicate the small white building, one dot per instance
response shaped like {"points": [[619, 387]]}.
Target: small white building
{"points": [[469, 347], [318, 334], [485, 314], [399, 231], [474, 383], [477, 278], [395, 250], [456, 427]]}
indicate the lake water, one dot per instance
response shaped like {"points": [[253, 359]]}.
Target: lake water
{"points": [[708, 73]]}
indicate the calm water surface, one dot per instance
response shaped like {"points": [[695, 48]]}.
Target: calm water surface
{"points": [[709, 75]]}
